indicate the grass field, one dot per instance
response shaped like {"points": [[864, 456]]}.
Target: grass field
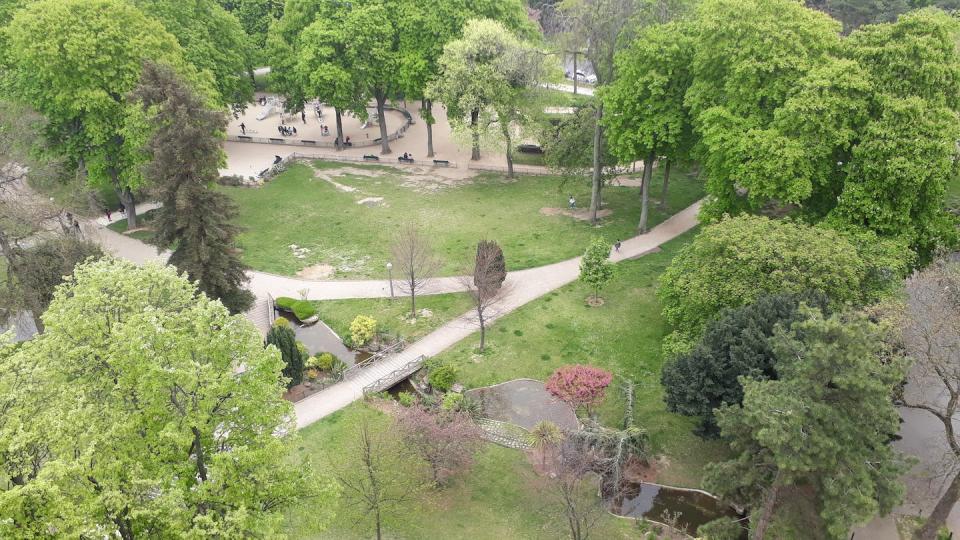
{"points": [[391, 315], [298, 208]]}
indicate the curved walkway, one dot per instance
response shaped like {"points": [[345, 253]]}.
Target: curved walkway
{"points": [[523, 287]]}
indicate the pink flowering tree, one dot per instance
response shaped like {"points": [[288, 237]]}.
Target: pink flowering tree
{"points": [[579, 385], [446, 440]]}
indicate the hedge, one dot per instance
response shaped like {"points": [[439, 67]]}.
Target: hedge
{"points": [[301, 309]]}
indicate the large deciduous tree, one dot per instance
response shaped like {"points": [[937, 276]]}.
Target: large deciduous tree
{"points": [[212, 40], [485, 81], [76, 61], [826, 421], [647, 117], [749, 55], [185, 151], [167, 419], [732, 263], [599, 29]]}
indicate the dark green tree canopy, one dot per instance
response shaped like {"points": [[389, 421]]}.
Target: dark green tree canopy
{"points": [[735, 345]]}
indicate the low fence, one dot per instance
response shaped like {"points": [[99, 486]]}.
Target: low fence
{"points": [[314, 143], [529, 170], [386, 160]]}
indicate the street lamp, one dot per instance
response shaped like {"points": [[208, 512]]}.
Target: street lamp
{"points": [[390, 275]]}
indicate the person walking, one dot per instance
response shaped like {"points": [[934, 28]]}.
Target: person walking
{"points": [[109, 219], [243, 128], [616, 246], [572, 202], [303, 116]]}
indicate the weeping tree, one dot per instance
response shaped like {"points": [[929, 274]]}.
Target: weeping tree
{"points": [[613, 447]]}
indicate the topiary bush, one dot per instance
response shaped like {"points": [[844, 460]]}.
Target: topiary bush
{"points": [[442, 377], [303, 310], [362, 330], [322, 361], [282, 337]]}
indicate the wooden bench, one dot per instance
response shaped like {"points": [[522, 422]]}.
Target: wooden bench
{"points": [[441, 163], [370, 157], [405, 160]]}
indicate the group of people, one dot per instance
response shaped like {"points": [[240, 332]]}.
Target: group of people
{"points": [[287, 131]]}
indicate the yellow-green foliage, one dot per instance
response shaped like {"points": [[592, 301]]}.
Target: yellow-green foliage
{"points": [[362, 330]]}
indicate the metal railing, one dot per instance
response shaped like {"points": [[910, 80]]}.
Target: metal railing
{"points": [[394, 376], [359, 366]]}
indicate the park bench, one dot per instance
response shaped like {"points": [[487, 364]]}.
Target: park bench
{"points": [[405, 160], [441, 163], [307, 141], [370, 157], [530, 149], [276, 141]]}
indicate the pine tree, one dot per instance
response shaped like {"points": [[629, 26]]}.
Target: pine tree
{"points": [[195, 220]]}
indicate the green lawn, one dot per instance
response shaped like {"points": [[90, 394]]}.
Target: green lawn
{"points": [[391, 315], [496, 500], [524, 158], [143, 233], [299, 208], [559, 98], [623, 335], [953, 193]]}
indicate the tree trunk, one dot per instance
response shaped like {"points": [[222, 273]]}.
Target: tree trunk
{"points": [[474, 118], [428, 106], [413, 300], [666, 182], [645, 191], [506, 136], [938, 517], [574, 73], [198, 451], [384, 142], [339, 128], [597, 177], [379, 528], [129, 205], [483, 330], [766, 511]]}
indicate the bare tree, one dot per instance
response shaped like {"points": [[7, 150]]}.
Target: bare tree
{"points": [[380, 476], [931, 336], [571, 488], [40, 241], [413, 256], [485, 284]]}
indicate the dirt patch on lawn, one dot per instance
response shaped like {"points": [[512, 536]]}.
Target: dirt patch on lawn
{"points": [[423, 179], [583, 214], [316, 271]]}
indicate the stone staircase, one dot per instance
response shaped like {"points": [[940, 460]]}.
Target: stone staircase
{"points": [[505, 434]]}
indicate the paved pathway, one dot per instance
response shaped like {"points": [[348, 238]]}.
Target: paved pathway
{"points": [[522, 287]]}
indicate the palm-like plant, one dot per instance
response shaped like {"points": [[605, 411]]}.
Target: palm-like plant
{"points": [[545, 435]]}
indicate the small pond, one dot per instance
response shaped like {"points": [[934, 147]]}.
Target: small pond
{"points": [[652, 501], [319, 338]]}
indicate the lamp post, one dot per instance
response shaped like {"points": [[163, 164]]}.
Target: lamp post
{"points": [[390, 277]]}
